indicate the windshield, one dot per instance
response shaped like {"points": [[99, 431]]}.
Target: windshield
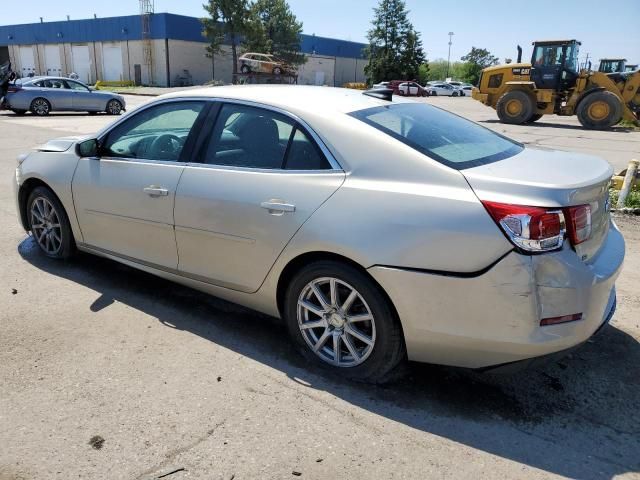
{"points": [[445, 137]]}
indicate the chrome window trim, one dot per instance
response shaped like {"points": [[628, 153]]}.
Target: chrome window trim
{"points": [[335, 166], [274, 171]]}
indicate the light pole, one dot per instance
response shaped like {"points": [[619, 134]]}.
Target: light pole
{"points": [[449, 56]]}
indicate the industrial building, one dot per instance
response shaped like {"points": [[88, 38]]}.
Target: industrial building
{"points": [[160, 49]]}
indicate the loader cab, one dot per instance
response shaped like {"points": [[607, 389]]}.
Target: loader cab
{"points": [[613, 65], [554, 64]]}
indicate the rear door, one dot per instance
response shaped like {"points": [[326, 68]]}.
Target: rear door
{"points": [[55, 90], [124, 200], [261, 175]]}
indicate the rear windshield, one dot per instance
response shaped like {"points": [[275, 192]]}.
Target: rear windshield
{"points": [[441, 135]]}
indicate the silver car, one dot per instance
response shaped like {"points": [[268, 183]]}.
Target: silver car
{"points": [[41, 95], [378, 230]]}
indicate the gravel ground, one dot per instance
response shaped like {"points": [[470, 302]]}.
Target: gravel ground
{"points": [[109, 373]]}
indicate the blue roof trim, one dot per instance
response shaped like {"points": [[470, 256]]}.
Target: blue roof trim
{"points": [[163, 25]]}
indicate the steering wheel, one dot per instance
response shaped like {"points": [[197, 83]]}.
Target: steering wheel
{"points": [[165, 147]]}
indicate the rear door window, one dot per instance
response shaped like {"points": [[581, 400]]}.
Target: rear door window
{"points": [[253, 137], [447, 138]]}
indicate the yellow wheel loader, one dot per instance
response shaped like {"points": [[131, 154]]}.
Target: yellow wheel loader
{"points": [[553, 84]]}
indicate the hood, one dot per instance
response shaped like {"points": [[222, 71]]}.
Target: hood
{"points": [[59, 144]]}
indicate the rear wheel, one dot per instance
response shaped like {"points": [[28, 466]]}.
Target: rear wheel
{"points": [[599, 110], [49, 224], [339, 319], [114, 107], [40, 106], [515, 107], [277, 71]]}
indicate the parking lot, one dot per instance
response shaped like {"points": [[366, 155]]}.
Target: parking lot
{"points": [[108, 372]]}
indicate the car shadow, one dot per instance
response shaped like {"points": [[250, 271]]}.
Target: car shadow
{"points": [[577, 417], [565, 126]]}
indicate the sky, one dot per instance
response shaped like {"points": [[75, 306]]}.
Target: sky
{"points": [[497, 25]]}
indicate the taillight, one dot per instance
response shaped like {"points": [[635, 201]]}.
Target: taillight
{"points": [[534, 229], [541, 229], [579, 223]]}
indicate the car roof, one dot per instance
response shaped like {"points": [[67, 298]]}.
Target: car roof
{"points": [[293, 98]]}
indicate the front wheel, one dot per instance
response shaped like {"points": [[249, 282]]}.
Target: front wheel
{"points": [[114, 107], [340, 319], [49, 224], [245, 69], [599, 110]]}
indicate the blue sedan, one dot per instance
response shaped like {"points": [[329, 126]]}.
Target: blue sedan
{"points": [[42, 95]]}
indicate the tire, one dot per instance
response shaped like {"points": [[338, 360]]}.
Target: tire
{"points": [[19, 112], [44, 208], [245, 69], [534, 118], [375, 362], [599, 110], [454, 94], [434, 94], [92, 112], [277, 71], [40, 107], [114, 107], [515, 107]]}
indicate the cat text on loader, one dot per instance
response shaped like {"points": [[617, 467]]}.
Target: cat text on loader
{"points": [[552, 83]]}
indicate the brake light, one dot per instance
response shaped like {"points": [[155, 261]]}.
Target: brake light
{"points": [[579, 223], [534, 229]]}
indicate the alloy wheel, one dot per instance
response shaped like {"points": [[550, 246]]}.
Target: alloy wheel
{"points": [[114, 107], [40, 106], [45, 225], [336, 322]]}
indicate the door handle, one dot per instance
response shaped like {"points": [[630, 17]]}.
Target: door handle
{"points": [[278, 207], [155, 191]]}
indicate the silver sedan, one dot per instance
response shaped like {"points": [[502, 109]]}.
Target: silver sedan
{"points": [[41, 95], [378, 230]]}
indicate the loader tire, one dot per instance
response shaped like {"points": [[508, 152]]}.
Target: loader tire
{"points": [[515, 107], [534, 118], [599, 110]]}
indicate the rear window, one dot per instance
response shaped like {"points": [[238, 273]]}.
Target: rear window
{"points": [[447, 138]]}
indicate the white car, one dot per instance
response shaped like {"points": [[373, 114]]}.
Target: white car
{"points": [[444, 89], [381, 85], [412, 89]]}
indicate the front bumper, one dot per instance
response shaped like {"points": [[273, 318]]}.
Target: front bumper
{"points": [[494, 318]]}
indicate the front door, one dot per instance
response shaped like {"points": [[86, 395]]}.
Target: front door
{"points": [[82, 98], [124, 199], [262, 175]]}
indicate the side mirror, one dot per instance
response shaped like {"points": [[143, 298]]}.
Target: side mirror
{"points": [[88, 148]]}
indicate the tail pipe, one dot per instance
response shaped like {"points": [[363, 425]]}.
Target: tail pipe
{"points": [[519, 54]]}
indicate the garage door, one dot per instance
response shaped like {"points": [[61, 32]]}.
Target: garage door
{"points": [[52, 60], [112, 62], [81, 62], [27, 62]]}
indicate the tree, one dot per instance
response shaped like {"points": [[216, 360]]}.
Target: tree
{"points": [[213, 30], [477, 60], [274, 29], [438, 70], [395, 49], [235, 15]]}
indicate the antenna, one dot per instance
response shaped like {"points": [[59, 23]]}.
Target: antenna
{"points": [[146, 10]]}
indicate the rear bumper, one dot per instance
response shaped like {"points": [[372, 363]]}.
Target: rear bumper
{"points": [[494, 318]]}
